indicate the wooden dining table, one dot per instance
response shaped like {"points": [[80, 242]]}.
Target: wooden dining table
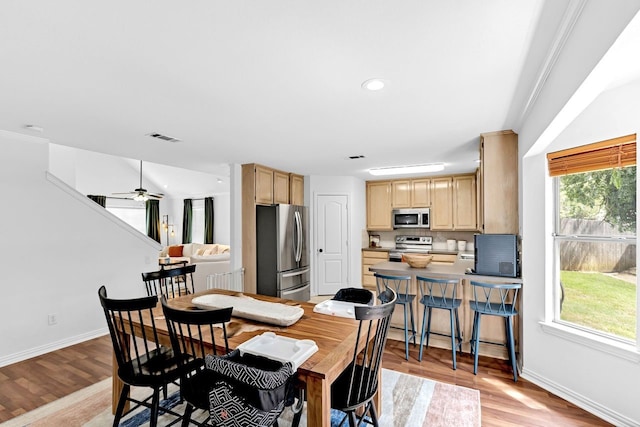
{"points": [[335, 337]]}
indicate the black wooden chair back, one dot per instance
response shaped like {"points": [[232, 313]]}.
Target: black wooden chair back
{"points": [[357, 385], [194, 334], [142, 361], [171, 282]]}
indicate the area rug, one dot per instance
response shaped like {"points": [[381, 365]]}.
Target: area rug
{"points": [[407, 400]]}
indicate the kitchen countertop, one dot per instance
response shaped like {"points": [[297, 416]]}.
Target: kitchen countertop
{"points": [[457, 270], [378, 249]]}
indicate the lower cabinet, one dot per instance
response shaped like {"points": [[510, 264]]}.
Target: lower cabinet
{"points": [[370, 258]]}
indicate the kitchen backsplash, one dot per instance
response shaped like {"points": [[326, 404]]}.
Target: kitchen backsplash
{"points": [[387, 238]]}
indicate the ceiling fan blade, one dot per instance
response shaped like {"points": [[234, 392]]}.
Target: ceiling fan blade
{"points": [[128, 192]]}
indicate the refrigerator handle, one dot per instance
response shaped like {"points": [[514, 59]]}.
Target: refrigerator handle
{"points": [[298, 220], [296, 273]]}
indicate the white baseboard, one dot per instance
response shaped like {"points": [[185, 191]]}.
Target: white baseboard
{"points": [[579, 400], [46, 348]]}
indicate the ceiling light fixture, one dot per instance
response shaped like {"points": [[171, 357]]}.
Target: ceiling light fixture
{"points": [[400, 170], [373, 84], [34, 128]]}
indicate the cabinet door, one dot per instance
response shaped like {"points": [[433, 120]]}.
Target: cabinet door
{"points": [[280, 187], [264, 185], [296, 189], [420, 193], [400, 194], [442, 203], [379, 205], [464, 202], [499, 169]]}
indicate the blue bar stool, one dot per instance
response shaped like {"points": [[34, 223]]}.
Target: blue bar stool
{"points": [[440, 294], [494, 300], [401, 285]]}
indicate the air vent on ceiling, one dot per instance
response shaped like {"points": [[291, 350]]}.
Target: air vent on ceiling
{"points": [[163, 137], [359, 156]]}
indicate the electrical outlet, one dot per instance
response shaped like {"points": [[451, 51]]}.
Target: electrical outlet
{"points": [[53, 319]]}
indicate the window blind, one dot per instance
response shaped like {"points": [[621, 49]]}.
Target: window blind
{"points": [[612, 153]]}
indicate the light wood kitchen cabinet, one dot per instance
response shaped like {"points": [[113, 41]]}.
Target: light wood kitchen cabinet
{"points": [[370, 258], [498, 182], [280, 187], [296, 187], [453, 203], [379, 205], [464, 202], [420, 193], [400, 194], [263, 185], [442, 203]]}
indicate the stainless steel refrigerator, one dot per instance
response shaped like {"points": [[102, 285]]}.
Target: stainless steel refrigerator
{"points": [[282, 251]]}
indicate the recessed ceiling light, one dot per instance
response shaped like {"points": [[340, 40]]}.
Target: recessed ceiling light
{"points": [[219, 181], [373, 84], [400, 170]]}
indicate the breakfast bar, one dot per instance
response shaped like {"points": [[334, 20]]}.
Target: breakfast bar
{"points": [[492, 329]]}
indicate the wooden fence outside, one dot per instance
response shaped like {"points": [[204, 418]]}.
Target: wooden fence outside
{"points": [[594, 256]]}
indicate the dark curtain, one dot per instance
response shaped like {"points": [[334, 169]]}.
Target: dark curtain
{"points": [[208, 219], [187, 221], [101, 200], [153, 219]]}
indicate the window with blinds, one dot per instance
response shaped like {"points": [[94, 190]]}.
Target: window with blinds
{"points": [[612, 153]]}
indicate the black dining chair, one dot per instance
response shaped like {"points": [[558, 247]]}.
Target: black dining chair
{"points": [[193, 336], [353, 391], [141, 362], [402, 288], [172, 282], [440, 294], [494, 299]]}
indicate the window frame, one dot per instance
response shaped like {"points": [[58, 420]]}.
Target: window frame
{"points": [[584, 331]]}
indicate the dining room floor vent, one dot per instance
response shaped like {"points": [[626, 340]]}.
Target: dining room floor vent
{"points": [[163, 137]]}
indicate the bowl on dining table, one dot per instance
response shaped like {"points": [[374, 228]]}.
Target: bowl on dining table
{"points": [[417, 260]]}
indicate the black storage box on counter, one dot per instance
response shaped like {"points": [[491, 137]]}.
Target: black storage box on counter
{"points": [[496, 255]]}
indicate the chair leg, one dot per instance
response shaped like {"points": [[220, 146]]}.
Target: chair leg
{"points": [[424, 321], [477, 343], [186, 418], [429, 326], [373, 413], [155, 406], [453, 339], [406, 333], [121, 402], [512, 351], [458, 331], [413, 323], [353, 420]]}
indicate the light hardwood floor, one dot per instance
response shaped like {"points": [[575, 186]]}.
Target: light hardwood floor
{"points": [[27, 385]]}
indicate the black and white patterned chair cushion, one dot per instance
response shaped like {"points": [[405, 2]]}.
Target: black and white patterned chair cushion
{"points": [[251, 390]]}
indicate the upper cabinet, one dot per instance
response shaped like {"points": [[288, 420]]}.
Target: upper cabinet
{"points": [[498, 183], [453, 203], [379, 205], [280, 187], [464, 203], [411, 193], [263, 185], [420, 193], [296, 189], [442, 198]]}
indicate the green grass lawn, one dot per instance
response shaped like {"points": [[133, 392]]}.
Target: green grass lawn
{"points": [[599, 302]]}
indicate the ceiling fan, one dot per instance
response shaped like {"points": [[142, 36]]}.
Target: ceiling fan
{"points": [[140, 194]]}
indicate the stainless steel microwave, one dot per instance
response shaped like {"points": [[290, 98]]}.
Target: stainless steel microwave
{"points": [[410, 218]]}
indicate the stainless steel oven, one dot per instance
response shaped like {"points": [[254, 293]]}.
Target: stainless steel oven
{"points": [[410, 218]]}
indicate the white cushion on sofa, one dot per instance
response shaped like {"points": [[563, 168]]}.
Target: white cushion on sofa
{"points": [[211, 258]]}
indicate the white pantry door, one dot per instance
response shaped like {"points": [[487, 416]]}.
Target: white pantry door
{"points": [[332, 252]]}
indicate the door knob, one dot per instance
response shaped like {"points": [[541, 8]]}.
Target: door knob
{"points": [[320, 250]]}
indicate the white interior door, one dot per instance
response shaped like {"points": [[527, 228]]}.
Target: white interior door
{"points": [[332, 253]]}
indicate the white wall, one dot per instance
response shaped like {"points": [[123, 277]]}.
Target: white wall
{"points": [[58, 248], [355, 189], [600, 378]]}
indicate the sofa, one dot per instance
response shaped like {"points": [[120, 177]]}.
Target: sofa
{"points": [[208, 258]]}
